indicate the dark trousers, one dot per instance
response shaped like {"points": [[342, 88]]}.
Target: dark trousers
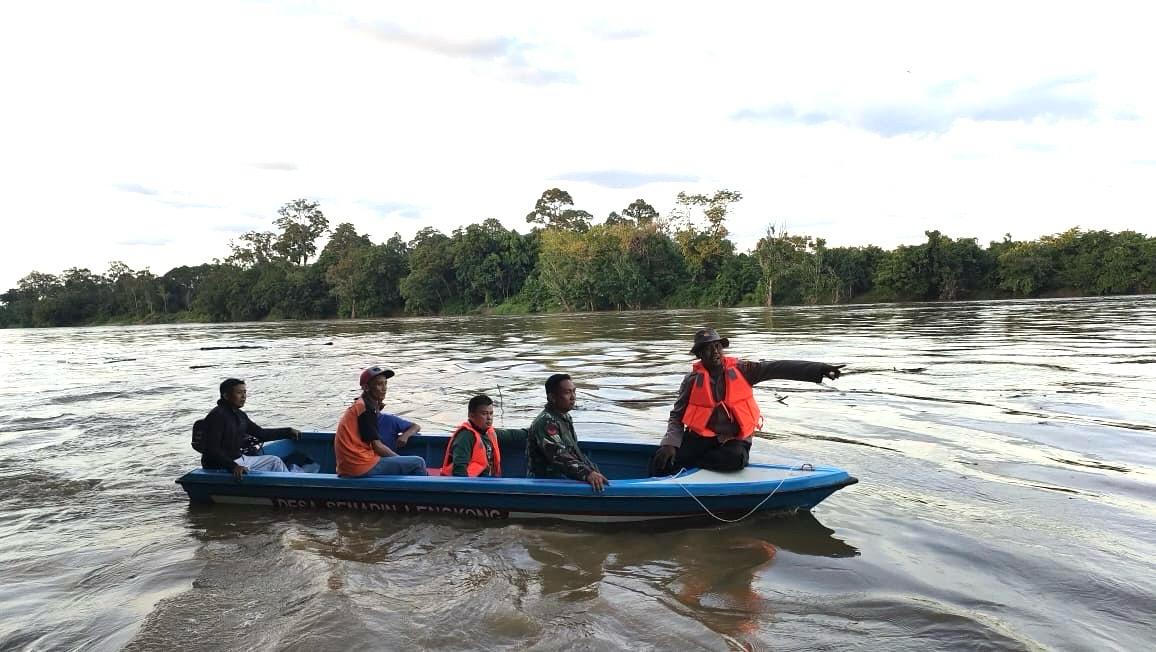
{"points": [[707, 453]]}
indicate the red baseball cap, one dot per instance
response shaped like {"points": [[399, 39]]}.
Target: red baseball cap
{"points": [[373, 372]]}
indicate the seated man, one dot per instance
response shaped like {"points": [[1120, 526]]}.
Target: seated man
{"points": [[474, 449], [395, 431], [357, 444], [552, 447], [221, 436]]}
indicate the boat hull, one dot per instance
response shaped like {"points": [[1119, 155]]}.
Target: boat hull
{"points": [[631, 497]]}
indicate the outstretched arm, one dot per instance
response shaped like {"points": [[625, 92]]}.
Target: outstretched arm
{"points": [[512, 435], [803, 370], [269, 434]]}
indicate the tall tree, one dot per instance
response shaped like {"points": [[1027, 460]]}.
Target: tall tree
{"points": [[552, 210], [348, 278], [615, 219], [779, 254], [38, 285], [390, 266], [132, 292], [1024, 268], [566, 268], [641, 212], [704, 245], [301, 222], [905, 274], [252, 248], [854, 267], [477, 260], [180, 285], [955, 266], [431, 283], [344, 238], [797, 263]]}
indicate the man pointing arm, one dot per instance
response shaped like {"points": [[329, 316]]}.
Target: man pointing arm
{"points": [[716, 413]]}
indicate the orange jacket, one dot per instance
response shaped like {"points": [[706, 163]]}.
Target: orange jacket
{"points": [[354, 457], [478, 462], [739, 403]]}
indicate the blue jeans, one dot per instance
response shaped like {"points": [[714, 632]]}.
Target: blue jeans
{"points": [[398, 465]]}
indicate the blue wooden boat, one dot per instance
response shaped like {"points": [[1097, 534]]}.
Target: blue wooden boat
{"points": [[631, 496]]}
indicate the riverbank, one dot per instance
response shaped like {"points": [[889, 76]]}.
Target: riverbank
{"points": [[513, 309]]}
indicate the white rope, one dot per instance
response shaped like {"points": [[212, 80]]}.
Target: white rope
{"points": [[754, 509]]}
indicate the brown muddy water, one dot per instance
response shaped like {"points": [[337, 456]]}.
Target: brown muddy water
{"points": [[1006, 453]]}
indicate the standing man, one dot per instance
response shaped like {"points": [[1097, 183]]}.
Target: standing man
{"points": [[357, 444], [221, 435], [715, 413], [552, 447], [474, 449]]}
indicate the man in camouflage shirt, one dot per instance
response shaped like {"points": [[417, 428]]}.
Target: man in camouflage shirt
{"points": [[552, 447]]}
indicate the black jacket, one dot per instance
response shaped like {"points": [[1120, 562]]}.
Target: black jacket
{"points": [[225, 431]]}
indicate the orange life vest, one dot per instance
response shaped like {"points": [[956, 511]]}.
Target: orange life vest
{"points": [[478, 462], [354, 457], [739, 402]]}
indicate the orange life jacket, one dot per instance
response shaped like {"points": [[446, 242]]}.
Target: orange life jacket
{"points": [[478, 462], [739, 403], [354, 457]]}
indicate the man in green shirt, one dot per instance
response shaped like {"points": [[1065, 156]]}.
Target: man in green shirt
{"points": [[552, 448], [475, 447]]}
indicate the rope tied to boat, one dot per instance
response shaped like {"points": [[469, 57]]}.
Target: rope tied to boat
{"points": [[723, 519]]}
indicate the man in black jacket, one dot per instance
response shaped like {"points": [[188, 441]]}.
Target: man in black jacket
{"points": [[225, 430]]}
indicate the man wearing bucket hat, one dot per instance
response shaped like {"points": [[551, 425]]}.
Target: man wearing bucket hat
{"points": [[357, 444], [716, 413]]}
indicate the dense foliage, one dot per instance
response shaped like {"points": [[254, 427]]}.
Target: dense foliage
{"points": [[632, 260]]}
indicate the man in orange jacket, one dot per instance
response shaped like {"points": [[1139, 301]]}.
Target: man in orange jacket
{"points": [[357, 444], [715, 413]]}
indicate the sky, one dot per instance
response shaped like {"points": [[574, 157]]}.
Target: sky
{"points": [[154, 133]]}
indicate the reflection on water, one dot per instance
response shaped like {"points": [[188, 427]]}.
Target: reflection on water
{"points": [[1005, 451]]}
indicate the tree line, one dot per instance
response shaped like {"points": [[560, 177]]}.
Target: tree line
{"points": [[633, 259]]}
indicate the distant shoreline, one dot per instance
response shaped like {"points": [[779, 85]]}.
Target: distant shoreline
{"points": [[567, 263], [185, 318]]}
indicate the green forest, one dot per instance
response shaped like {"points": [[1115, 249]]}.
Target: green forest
{"points": [[633, 259]]}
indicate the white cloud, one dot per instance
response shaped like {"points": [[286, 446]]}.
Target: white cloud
{"points": [[153, 133]]}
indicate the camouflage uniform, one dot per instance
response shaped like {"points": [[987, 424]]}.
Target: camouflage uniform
{"points": [[552, 449]]}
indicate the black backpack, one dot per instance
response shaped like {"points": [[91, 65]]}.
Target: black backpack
{"points": [[198, 435]]}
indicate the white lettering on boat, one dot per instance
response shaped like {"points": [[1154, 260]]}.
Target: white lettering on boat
{"points": [[396, 508]]}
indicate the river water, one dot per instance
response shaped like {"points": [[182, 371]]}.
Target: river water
{"points": [[1006, 452]]}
